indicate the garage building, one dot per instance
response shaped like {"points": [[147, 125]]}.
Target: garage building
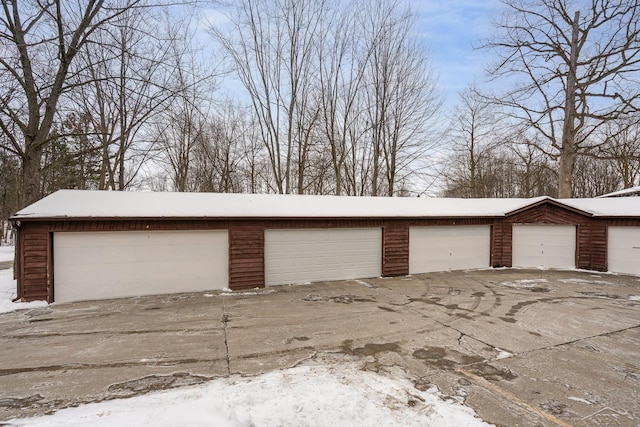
{"points": [[80, 245]]}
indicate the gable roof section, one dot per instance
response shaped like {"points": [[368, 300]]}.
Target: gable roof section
{"points": [[549, 201], [82, 204]]}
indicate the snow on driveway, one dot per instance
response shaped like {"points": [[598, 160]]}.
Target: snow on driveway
{"points": [[317, 395], [8, 293], [8, 286], [585, 281], [523, 283], [6, 253]]}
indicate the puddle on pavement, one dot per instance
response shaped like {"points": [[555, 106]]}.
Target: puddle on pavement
{"points": [[491, 373], [343, 299], [519, 306], [430, 353], [600, 295], [436, 301], [368, 349], [554, 407], [463, 316], [444, 358], [422, 384], [44, 319], [155, 383], [539, 290], [303, 338]]}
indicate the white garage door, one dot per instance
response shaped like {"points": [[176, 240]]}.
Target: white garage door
{"points": [[300, 256], [442, 248], [624, 250], [544, 246], [101, 265]]}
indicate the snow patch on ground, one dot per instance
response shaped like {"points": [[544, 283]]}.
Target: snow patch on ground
{"points": [[634, 298], [502, 354], [585, 281], [320, 395], [239, 294], [363, 283], [7, 253], [8, 293], [524, 283], [577, 399]]}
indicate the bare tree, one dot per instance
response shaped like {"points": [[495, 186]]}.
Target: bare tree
{"points": [[536, 174], [343, 57], [622, 147], [573, 65], [183, 122], [402, 96], [132, 75], [272, 49], [9, 191], [594, 177], [39, 44], [503, 169], [474, 131]]}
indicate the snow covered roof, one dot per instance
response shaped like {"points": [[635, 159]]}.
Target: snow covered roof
{"points": [[633, 191], [117, 204], [606, 207]]}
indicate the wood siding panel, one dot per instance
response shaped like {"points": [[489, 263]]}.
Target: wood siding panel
{"points": [[599, 242], [584, 246], [246, 257], [395, 250], [501, 244], [33, 265]]}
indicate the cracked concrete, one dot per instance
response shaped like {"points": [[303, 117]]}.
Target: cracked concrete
{"points": [[522, 347]]}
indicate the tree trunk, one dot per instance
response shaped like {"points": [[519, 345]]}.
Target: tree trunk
{"points": [[565, 173], [31, 174], [568, 149]]}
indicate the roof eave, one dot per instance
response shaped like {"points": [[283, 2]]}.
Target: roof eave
{"points": [[248, 218]]}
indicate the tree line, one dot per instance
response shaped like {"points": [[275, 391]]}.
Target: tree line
{"points": [[338, 97]]}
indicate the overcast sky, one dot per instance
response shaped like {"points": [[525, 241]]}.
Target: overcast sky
{"points": [[452, 29]]}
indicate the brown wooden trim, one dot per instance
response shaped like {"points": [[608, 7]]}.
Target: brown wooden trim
{"points": [[246, 258], [50, 269], [491, 245], [395, 250], [34, 259], [578, 247], [18, 272]]}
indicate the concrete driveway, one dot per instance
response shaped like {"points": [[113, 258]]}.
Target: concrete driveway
{"points": [[523, 347]]}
